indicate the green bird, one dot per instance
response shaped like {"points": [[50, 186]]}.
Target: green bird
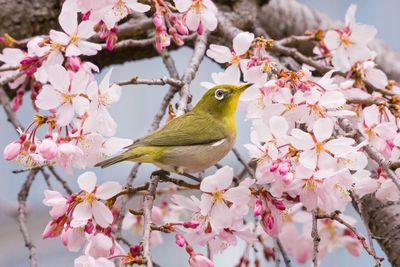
{"points": [[194, 141]]}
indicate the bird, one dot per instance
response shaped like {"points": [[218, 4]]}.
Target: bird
{"points": [[194, 141]]}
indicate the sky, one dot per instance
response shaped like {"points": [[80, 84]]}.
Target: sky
{"points": [[134, 114]]}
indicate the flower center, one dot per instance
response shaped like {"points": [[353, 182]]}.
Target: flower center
{"points": [[346, 41], [74, 39], [310, 185], [120, 9], [235, 60], [319, 147], [218, 196], [67, 98]]}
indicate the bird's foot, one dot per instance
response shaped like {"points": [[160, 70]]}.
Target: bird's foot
{"points": [[160, 173], [188, 175]]}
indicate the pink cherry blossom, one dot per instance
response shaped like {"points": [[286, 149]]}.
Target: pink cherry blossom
{"points": [[74, 36], [217, 194], [91, 206], [198, 14], [102, 96], [112, 11], [236, 58], [65, 94], [318, 149], [11, 57], [88, 261], [57, 201], [48, 149], [349, 44], [199, 260]]}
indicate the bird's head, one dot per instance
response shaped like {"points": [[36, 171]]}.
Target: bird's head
{"points": [[221, 100]]}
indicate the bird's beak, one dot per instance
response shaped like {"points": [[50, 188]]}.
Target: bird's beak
{"points": [[244, 86]]}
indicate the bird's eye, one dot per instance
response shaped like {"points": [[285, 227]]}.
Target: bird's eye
{"points": [[219, 94]]}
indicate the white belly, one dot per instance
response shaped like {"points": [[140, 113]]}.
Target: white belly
{"points": [[195, 158]]}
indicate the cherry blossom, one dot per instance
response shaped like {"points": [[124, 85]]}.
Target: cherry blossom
{"points": [[91, 207], [349, 44], [198, 14], [236, 58], [74, 36]]}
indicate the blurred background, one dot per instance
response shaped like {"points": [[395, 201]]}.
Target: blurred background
{"points": [[134, 114]]}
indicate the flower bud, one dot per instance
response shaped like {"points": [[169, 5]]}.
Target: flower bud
{"points": [[135, 250], [199, 260], [180, 240], [258, 207], [278, 204], [48, 149], [111, 40], [283, 168], [11, 151], [181, 28], [191, 224], [158, 19]]}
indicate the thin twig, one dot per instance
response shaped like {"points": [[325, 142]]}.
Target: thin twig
{"points": [[22, 197], [147, 211], [315, 237], [10, 78], [335, 216], [46, 177], [162, 81], [284, 253], [243, 162], [190, 73]]}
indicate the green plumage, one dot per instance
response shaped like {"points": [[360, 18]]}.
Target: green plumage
{"points": [[193, 141]]}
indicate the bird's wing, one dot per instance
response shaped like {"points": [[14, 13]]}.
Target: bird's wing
{"points": [[187, 130]]}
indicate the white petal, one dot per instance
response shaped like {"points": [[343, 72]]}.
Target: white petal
{"points": [[72, 50], [332, 40], [221, 180], [80, 104], [209, 20], [323, 129], [64, 114], [137, 7], [105, 82], [219, 53], [242, 42], [301, 139], [108, 190], [192, 20], [182, 5], [371, 115], [68, 22], [377, 78], [82, 211], [278, 126], [308, 159], [332, 99], [79, 82], [102, 215], [59, 78], [87, 181], [86, 29], [48, 98]]}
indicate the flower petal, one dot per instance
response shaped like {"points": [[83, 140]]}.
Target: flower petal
{"points": [[323, 129], [242, 42], [87, 181], [82, 211], [108, 190], [102, 215]]}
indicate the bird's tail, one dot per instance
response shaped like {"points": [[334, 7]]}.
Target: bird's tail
{"points": [[111, 161]]}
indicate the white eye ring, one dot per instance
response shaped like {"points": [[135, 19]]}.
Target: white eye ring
{"points": [[219, 94]]}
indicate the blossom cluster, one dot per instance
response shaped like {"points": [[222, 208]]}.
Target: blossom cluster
{"points": [[304, 157]]}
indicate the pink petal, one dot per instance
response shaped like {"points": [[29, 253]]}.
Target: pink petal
{"points": [[238, 195], [64, 114], [59, 37], [79, 82], [323, 129], [48, 98], [371, 115], [278, 126], [87, 181], [332, 40], [68, 22], [308, 159], [80, 104], [377, 78], [301, 140], [72, 50], [137, 7], [219, 53], [182, 5], [82, 211], [220, 216], [242, 42], [108, 190], [192, 20], [332, 99], [88, 48], [209, 19], [221, 180], [59, 78], [102, 215], [85, 29], [205, 204]]}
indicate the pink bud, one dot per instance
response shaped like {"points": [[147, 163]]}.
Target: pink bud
{"points": [[199, 260], [48, 149], [11, 151], [278, 204], [288, 178], [111, 40], [86, 16], [89, 227], [200, 29], [191, 224], [274, 166], [74, 64], [180, 240], [258, 208], [52, 229], [135, 250], [158, 19], [283, 168], [181, 28]]}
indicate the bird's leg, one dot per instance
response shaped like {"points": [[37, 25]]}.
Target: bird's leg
{"points": [[188, 175]]}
